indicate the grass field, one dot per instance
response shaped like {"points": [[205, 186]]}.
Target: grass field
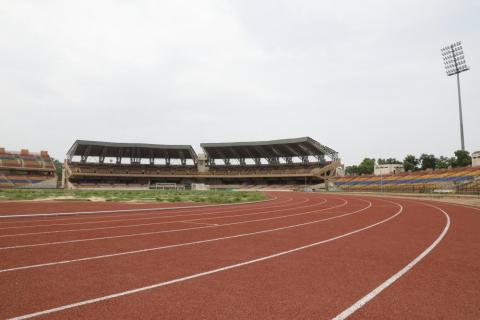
{"points": [[132, 195]]}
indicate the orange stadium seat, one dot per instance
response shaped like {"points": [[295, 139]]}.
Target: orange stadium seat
{"points": [[423, 181], [25, 169]]}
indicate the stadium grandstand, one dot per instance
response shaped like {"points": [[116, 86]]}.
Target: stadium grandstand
{"points": [[459, 180], [24, 169], [276, 164]]}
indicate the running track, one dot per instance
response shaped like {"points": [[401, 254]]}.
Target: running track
{"points": [[296, 256]]}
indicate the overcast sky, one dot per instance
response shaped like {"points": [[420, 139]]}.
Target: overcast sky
{"points": [[363, 77]]}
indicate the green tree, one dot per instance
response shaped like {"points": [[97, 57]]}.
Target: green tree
{"points": [[389, 161], [366, 166], [427, 161], [351, 169], [58, 167], [462, 159], [392, 161], [410, 163], [443, 162]]}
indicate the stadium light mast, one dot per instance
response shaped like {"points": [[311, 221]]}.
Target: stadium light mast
{"points": [[454, 60]]}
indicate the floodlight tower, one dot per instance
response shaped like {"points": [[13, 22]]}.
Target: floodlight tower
{"points": [[455, 64]]}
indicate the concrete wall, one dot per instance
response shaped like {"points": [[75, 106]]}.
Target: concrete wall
{"points": [[386, 169], [476, 159]]}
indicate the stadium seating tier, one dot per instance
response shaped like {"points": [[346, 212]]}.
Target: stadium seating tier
{"points": [[421, 181]]}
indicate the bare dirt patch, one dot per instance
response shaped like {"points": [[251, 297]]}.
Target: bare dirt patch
{"points": [[96, 199], [54, 198]]}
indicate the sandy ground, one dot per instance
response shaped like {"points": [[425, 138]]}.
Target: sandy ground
{"points": [[59, 198]]}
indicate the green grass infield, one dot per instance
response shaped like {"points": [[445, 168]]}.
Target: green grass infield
{"points": [[132, 195]]}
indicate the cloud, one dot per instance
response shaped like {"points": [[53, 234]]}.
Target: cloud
{"points": [[365, 78]]}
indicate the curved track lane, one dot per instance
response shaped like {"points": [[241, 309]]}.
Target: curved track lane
{"points": [[322, 261]]}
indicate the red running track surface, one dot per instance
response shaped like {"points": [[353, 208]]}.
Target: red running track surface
{"points": [[299, 255]]}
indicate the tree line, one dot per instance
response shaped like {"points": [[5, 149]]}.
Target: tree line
{"points": [[411, 163]]}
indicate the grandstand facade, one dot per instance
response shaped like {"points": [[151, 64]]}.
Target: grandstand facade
{"points": [[24, 169], [276, 163]]}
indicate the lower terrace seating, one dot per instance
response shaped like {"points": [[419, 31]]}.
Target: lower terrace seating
{"points": [[13, 180], [94, 185], [5, 183], [423, 181], [113, 169]]}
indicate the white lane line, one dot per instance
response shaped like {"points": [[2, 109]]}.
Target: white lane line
{"points": [[130, 210], [135, 217], [184, 244], [165, 231], [202, 274], [160, 217], [372, 294], [147, 224], [93, 219], [201, 223]]}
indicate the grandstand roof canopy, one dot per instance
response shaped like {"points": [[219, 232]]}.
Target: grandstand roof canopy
{"points": [[85, 148], [297, 147]]}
